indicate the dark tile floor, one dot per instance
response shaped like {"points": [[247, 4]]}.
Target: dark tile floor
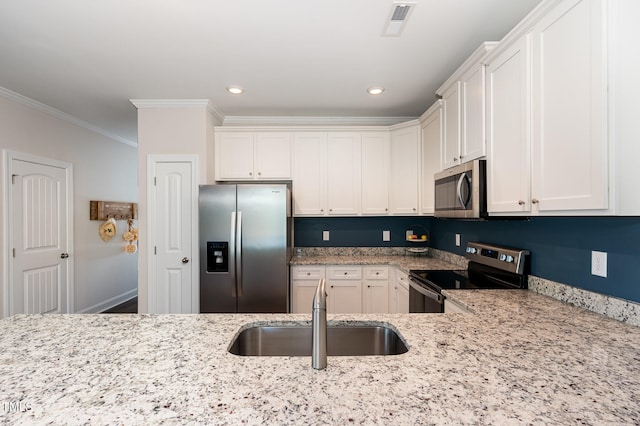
{"points": [[128, 307]]}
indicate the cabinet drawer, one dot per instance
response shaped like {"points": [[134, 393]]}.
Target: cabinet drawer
{"points": [[307, 272], [344, 272], [376, 272]]}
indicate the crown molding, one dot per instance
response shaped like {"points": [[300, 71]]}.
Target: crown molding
{"points": [[170, 103], [231, 120], [31, 103]]}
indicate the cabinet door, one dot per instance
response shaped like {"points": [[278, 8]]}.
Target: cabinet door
{"points": [[403, 188], [309, 178], [345, 296], [508, 136], [273, 155], [343, 173], [451, 113], [472, 144], [375, 173], [402, 297], [569, 167], [234, 156], [302, 292], [431, 164], [376, 296]]}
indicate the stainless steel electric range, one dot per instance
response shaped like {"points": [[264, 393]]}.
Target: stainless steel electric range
{"points": [[490, 267]]}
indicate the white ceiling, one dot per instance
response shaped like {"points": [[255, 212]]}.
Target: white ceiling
{"points": [[309, 58]]}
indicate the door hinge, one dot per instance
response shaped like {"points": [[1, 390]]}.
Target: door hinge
{"points": [[154, 250], [13, 179], [14, 252], [155, 181]]}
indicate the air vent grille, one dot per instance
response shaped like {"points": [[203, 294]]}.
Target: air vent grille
{"points": [[400, 12]]}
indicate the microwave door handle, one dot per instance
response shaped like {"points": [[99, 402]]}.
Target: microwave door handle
{"points": [[463, 177]]}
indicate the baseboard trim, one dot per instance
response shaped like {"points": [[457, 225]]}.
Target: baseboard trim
{"points": [[110, 303]]}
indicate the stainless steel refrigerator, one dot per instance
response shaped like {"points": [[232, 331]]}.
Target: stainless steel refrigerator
{"points": [[245, 247]]}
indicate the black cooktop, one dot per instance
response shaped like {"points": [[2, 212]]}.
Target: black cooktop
{"points": [[465, 279]]}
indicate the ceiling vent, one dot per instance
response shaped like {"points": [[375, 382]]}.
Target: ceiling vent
{"points": [[400, 12]]}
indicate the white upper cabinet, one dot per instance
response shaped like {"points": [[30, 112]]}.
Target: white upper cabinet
{"points": [[272, 155], [375, 173], [405, 176], [310, 170], [343, 173], [569, 155], [508, 129], [431, 125], [463, 96], [546, 97], [247, 155], [234, 155]]}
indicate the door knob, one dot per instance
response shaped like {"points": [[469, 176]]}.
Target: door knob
{"points": [[185, 260], [64, 255]]}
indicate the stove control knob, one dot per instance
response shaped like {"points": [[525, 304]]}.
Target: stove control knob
{"points": [[509, 259], [503, 257], [471, 250]]}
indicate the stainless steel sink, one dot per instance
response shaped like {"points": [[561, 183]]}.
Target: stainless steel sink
{"points": [[294, 340]]}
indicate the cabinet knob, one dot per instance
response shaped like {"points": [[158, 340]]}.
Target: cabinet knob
{"points": [[520, 202], [346, 273], [308, 273], [455, 158], [461, 157], [534, 201], [414, 209], [368, 286], [250, 174], [330, 210], [321, 210], [259, 174], [377, 273]]}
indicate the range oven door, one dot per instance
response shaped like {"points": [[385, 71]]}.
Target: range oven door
{"points": [[424, 300]]}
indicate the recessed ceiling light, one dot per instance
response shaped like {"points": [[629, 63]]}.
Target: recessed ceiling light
{"points": [[375, 90], [234, 90]]}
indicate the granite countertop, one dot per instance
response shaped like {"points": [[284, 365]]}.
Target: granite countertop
{"points": [[405, 263], [517, 358]]}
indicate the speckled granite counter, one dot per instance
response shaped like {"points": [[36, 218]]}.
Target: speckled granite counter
{"points": [[403, 262], [519, 358]]}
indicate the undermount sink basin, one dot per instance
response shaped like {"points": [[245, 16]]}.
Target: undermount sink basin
{"points": [[295, 340]]}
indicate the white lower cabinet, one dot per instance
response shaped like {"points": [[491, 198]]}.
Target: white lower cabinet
{"points": [[399, 293], [344, 285], [375, 289], [304, 280], [402, 296]]}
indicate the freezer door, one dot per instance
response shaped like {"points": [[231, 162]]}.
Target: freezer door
{"points": [[262, 268], [217, 229]]}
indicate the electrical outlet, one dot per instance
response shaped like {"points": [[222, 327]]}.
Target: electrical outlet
{"points": [[386, 235], [325, 235], [457, 240], [599, 263]]}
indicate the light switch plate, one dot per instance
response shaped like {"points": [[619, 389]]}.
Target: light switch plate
{"points": [[386, 235], [325, 235]]}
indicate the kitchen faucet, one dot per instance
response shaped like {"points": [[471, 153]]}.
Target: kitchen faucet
{"points": [[319, 328]]}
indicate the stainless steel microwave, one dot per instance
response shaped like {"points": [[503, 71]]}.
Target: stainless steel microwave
{"points": [[460, 191]]}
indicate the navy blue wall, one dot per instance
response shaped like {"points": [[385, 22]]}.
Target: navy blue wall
{"points": [[561, 247]]}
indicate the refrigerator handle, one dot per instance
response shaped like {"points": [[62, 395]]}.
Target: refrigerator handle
{"points": [[232, 247], [239, 253]]}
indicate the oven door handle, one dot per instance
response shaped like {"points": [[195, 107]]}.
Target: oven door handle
{"points": [[429, 293]]}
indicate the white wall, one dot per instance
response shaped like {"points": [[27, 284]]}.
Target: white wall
{"points": [[104, 169]]}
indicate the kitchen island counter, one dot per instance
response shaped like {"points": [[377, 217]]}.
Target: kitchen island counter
{"points": [[518, 358]]}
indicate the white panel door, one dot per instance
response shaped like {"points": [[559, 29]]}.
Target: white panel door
{"points": [[39, 220], [175, 191], [472, 144], [452, 117], [273, 155], [234, 156], [431, 162]]}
